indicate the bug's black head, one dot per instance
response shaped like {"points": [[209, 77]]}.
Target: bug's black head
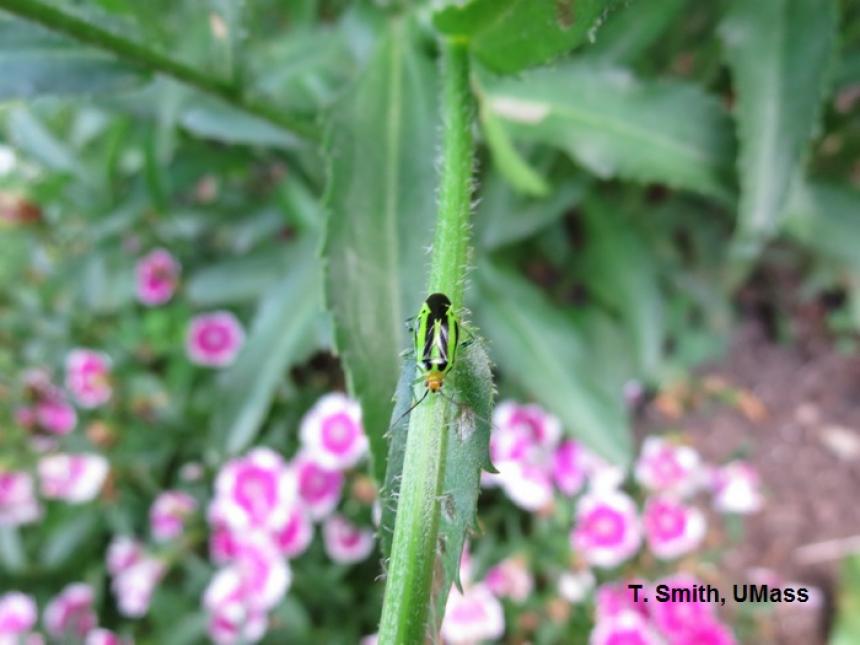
{"points": [[438, 304]]}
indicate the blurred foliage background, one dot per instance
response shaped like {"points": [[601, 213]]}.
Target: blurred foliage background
{"points": [[628, 192]]}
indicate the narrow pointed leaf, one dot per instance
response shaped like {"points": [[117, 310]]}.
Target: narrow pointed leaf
{"points": [[617, 126], [778, 52], [537, 346], [382, 209]]}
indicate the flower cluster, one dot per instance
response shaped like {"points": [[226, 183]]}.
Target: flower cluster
{"points": [[614, 517], [621, 616], [263, 512], [68, 617]]}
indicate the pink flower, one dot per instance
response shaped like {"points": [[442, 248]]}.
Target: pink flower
{"points": [[168, 513], [265, 574], [18, 503], [616, 598], [103, 636], [344, 542], [72, 478], [542, 428], [602, 475], [574, 586], [18, 615], [133, 586], [704, 632], [70, 614], [55, 415], [257, 490], [671, 528], [627, 628], [569, 467], [122, 553], [606, 531], [736, 488], [157, 276], [214, 339], [222, 542], [510, 578], [676, 618], [319, 487], [332, 434], [526, 484], [295, 536], [666, 467], [231, 618], [473, 616], [88, 377]]}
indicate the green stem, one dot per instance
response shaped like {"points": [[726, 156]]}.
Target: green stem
{"points": [[409, 589], [70, 25]]}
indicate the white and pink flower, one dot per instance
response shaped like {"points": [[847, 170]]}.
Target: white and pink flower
{"points": [[607, 530], [264, 573], [627, 627], [88, 377], [70, 614], [666, 467], [332, 433], [74, 478], [676, 618], [257, 490], [18, 616], [541, 428], [101, 636], [569, 467], [214, 339], [472, 617], [157, 276], [737, 488], [574, 586], [705, 632], [345, 542], [55, 415], [615, 598], [295, 536], [122, 553], [319, 487], [526, 484], [134, 585], [510, 578], [231, 618], [672, 529], [18, 503], [168, 514]]}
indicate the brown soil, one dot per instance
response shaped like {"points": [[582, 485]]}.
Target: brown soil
{"points": [[795, 414]]}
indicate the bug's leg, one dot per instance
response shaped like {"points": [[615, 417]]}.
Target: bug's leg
{"points": [[411, 407]]}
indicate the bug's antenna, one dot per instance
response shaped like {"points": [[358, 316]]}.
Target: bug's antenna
{"points": [[411, 407]]}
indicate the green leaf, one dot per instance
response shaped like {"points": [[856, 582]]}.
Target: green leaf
{"points": [[824, 218], [241, 279], [67, 540], [509, 161], [846, 629], [467, 454], [30, 135], [511, 35], [34, 62], [615, 125], [624, 38], [778, 52], [213, 119], [503, 217], [622, 272], [382, 208], [544, 351], [280, 335]]}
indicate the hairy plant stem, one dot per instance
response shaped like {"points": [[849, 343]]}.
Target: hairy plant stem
{"points": [[409, 589], [133, 52]]}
